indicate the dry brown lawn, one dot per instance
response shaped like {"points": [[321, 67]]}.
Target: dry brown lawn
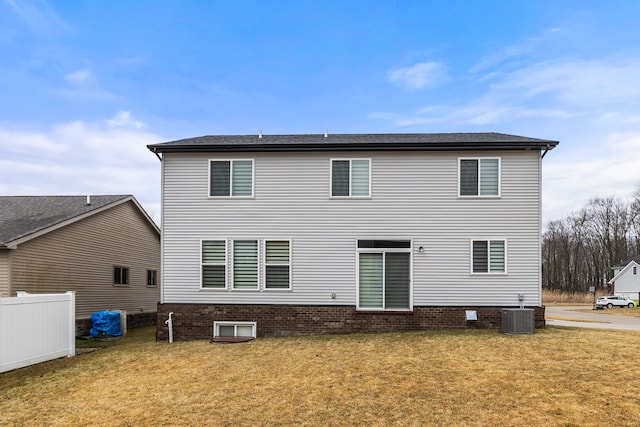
{"points": [[556, 377], [616, 311]]}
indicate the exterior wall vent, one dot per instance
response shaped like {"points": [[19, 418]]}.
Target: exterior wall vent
{"points": [[518, 321]]}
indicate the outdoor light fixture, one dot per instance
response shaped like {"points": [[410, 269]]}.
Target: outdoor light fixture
{"points": [[421, 249]]}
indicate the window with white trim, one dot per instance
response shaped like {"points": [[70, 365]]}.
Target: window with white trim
{"points": [[245, 264], [489, 256], [351, 178], [277, 264], [234, 329], [231, 178], [214, 264], [479, 177], [384, 274]]}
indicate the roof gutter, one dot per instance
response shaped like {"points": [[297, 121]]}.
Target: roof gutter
{"points": [[155, 151], [348, 147], [543, 154]]}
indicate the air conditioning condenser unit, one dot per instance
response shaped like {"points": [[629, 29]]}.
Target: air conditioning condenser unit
{"points": [[518, 320]]}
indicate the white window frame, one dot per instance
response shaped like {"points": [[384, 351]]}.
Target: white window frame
{"points": [[226, 264], [488, 272], [231, 262], [231, 162], [359, 251], [488, 196], [216, 327], [350, 160], [264, 265]]}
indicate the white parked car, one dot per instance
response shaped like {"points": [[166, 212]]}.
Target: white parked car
{"points": [[614, 301]]}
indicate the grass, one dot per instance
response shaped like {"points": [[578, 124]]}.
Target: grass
{"points": [[616, 311], [550, 296], [469, 377]]}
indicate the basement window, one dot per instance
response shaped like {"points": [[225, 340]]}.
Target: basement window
{"points": [[234, 331]]}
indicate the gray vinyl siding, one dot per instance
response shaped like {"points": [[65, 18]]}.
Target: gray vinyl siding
{"points": [[4, 273], [80, 257], [414, 195]]}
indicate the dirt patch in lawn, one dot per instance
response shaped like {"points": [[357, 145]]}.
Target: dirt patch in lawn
{"points": [[470, 377]]}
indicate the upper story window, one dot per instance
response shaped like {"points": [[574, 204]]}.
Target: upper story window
{"points": [[479, 177], [489, 256], [231, 178], [351, 178]]}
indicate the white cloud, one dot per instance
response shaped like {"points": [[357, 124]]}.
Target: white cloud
{"points": [[80, 158], [123, 119], [570, 183], [420, 76], [78, 76], [582, 83], [38, 14], [132, 60]]}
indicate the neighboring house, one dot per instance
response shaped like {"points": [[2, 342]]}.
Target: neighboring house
{"points": [[105, 248], [301, 234], [626, 279]]}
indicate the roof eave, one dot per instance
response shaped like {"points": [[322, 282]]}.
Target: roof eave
{"points": [[18, 240], [414, 146]]}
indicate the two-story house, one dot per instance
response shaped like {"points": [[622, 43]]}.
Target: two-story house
{"points": [[298, 234]]}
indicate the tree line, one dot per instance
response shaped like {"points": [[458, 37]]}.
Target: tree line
{"points": [[579, 250]]}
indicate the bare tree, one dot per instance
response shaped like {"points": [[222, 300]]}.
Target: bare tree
{"points": [[579, 251]]}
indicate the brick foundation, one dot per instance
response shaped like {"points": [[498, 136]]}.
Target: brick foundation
{"points": [[195, 321], [137, 320]]}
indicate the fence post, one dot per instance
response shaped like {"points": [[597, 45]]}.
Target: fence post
{"points": [[72, 323]]}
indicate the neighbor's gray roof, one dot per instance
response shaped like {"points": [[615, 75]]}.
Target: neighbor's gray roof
{"points": [[24, 215], [624, 263], [388, 141]]}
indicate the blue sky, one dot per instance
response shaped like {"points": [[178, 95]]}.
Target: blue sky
{"points": [[85, 85]]}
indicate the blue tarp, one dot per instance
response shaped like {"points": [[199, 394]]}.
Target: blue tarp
{"points": [[107, 322]]}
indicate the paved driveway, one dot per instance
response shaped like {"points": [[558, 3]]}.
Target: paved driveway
{"points": [[595, 319]]}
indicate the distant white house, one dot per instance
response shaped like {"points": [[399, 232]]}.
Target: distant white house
{"points": [[626, 279]]}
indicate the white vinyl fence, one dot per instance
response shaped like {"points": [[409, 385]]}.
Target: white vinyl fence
{"points": [[35, 328]]}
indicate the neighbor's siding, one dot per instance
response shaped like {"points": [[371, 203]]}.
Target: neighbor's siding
{"points": [[4, 273], [414, 196], [80, 257]]}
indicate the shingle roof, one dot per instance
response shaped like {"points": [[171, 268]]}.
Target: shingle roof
{"points": [[389, 141], [24, 215], [623, 263]]}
